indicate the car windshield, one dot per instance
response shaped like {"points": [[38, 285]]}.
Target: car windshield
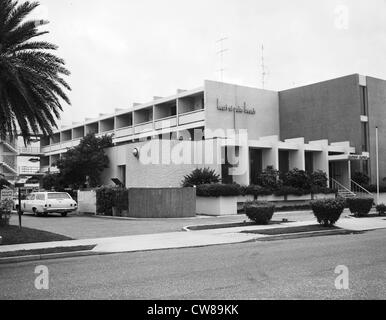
{"points": [[59, 196]]}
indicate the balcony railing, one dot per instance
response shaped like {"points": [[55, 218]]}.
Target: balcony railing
{"points": [[29, 150], [9, 161], [28, 170]]}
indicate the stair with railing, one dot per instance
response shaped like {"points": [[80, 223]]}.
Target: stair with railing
{"points": [[355, 190]]}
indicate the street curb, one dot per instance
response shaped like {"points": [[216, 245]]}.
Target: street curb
{"points": [[49, 256], [309, 234]]}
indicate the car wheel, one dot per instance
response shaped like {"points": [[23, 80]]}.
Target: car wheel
{"points": [[36, 213], [45, 214], [64, 214]]}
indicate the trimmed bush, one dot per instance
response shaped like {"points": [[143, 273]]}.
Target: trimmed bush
{"points": [[200, 176], [269, 178], [381, 209], [328, 211], [322, 190], [296, 178], [218, 190], [361, 178], [255, 191], [286, 190], [360, 207], [373, 188], [259, 212], [318, 179]]}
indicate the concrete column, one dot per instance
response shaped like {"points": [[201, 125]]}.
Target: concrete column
{"points": [[297, 157]]}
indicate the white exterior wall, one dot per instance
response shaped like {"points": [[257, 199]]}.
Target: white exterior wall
{"points": [[264, 122], [153, 174]]}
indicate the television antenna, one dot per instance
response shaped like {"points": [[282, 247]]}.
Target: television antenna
{"points": [[263, 67], [221, 53]]}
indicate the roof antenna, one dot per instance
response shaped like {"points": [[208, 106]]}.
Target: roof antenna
{"points": [[221, 54], [263, 69]]}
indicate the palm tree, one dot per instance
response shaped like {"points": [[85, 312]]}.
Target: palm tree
{"points": [[31, 85]]}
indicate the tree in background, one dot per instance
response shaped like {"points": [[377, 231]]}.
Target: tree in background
{"points": [[32, 87], [3, 182], [85, 162]]}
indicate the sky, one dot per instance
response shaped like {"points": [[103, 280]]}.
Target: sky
{"points": [[125, 51]]}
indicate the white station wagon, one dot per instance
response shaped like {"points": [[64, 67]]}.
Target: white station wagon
{"points": [[42, 203]]}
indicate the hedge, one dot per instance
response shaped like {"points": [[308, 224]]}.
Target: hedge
{"points": [[360, 206], [328, 211], [218, 190], [259, 212]]}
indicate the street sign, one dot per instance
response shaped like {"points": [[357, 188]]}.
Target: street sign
{"points": [[6, 194], [358, 157]]}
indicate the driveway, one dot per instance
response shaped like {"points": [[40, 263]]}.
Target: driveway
{"points": [[86, 227]]}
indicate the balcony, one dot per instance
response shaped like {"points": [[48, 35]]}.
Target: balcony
{"points": [[30, 151], [144, 127], [9, 162], [190, 117], [27, 170], [123, 132], [165, 123]]}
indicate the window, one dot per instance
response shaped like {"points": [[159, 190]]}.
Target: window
{"points": [[309, 159], [59, 196], [364, 104], [31, 197], [364, 135], [40, 196]]}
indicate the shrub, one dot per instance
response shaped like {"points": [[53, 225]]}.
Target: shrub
{"points": [[255, 191], [259, 212], [323, 190], [200, 176], [361, 178], [373, 188], [381, 209], [218, 190], [360, 206], [121, 199], [328, 211], [109, 197], [286, 190], [318, 179], [297, 179], [269, 178], [5, 212]]}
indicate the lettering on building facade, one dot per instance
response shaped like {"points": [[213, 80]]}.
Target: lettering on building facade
{"points": [[236, 109]]}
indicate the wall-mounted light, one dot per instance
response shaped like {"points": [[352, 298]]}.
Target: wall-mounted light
{"points": [[136, 152]]}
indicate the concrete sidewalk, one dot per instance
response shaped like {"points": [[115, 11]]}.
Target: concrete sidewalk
{"points": [[185, 239]]}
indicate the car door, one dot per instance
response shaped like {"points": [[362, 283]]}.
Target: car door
{"points": [[29, 202], [40, 201]]}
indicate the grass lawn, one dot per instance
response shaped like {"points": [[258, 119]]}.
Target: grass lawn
{"points": [[230, 225], [13, 235], [44, 251], [289, 230]]}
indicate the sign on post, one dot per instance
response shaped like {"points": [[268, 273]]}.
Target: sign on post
{"points": [[6, 194]]}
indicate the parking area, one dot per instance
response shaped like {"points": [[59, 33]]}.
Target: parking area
{"points": [[87, 227]]}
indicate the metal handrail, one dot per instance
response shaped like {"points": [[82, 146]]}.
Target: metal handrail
{"points": [[341, 186], [361, 188]]}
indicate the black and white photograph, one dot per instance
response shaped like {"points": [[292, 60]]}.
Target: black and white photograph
{"points": [[192, 156]]}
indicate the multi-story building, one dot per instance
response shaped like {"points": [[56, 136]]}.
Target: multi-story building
{"points": [[327, 126]]}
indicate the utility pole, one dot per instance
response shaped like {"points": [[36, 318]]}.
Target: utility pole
{"points": [[377, 160], [221, 54]]}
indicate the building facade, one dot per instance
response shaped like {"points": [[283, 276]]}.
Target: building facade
{"points": [[239, 131]]}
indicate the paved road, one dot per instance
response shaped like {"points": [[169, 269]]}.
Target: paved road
{"points": [[288, 269], [83, 227]]}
